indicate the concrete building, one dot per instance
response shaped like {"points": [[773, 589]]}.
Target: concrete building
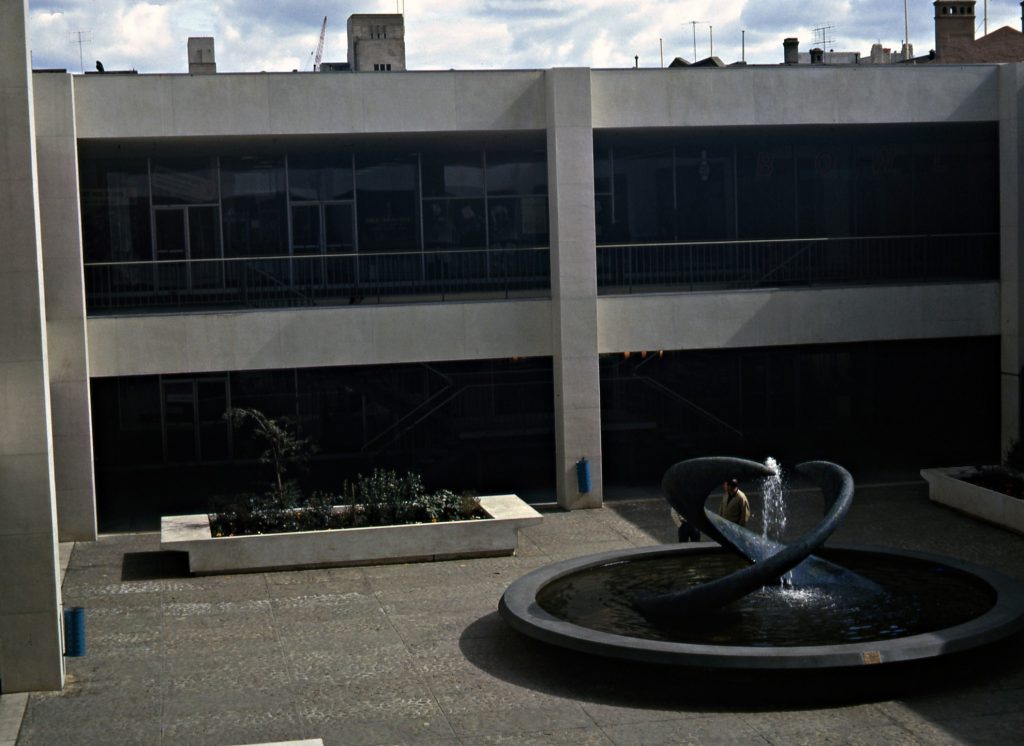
{"points": [[487, 276], [376, 42]]}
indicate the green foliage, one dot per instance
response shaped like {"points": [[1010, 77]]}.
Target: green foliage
{"points": [[283, 447], [381, 499]]}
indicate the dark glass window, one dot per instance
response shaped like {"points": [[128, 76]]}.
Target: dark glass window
{"points": [[766, 191], [885, 188], [139, 440], [452, 174], [825, 195], [645, 194], [704, 194], [253, 198], [387, 198], [115, 209], [320, 177], [453, 224], [184, 181], [516, 172]]}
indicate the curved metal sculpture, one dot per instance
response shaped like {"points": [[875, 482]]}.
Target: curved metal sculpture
{"points": [[590, 604], [686, 486]]}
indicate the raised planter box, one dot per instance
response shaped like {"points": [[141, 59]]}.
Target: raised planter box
{"points": [[946, 487], [416, 542]]}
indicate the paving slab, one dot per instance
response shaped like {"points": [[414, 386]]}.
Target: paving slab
{"points": [[417, 654]]}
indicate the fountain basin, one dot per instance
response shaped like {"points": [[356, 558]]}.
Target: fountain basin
{"points": [[944, 606]]}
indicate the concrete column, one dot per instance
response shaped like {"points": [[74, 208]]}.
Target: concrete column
{"points": [[31, 654], [67, 341], [1011, 241], [570, 143]]}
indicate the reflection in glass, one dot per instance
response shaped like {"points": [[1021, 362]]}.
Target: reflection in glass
{"points": [[320, 176], [184, 181], [386, 195], [115, 209], [253, 199]]}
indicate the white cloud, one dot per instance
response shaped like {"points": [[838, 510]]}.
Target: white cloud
{"points": [[142, 31], [472, 34]]}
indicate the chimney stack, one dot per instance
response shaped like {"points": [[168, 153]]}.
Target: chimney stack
{"points": [[200, 56], [791, 50], [817, 56]]}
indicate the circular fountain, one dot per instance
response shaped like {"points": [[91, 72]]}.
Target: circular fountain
{"points": [[753, 602]]}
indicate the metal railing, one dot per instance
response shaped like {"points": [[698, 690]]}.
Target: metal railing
{"points": [[628, 268], [316, 279]]}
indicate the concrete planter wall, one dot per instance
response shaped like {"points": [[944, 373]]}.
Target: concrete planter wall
{"points": [[945, 487], [418, 542]]}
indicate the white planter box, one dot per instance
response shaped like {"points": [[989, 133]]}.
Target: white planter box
{"points": [[416, 542], [945, 487]]}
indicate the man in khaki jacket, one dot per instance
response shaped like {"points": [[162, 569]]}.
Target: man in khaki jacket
{"points": [[735, 507]]}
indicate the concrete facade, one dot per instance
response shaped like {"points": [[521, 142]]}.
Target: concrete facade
{"points": [[376, 42], [54, 349], [31, 652], [67, 337]]}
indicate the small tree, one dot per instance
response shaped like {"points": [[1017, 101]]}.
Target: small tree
{"points": [[284, 448]]}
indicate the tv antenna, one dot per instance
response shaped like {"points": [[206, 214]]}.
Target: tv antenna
{"points": [[823, 38], [80, 38], [693, 25]]}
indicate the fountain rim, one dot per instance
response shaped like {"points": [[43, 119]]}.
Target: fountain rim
{"points": [[519, 608]]}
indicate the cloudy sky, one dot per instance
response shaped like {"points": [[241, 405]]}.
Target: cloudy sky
{"points": [[263, 35]]}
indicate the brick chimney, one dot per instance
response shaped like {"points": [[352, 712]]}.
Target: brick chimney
{"points": [[791, 50], [954, 26]]}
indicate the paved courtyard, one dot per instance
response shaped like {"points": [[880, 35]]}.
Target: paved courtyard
{"points": [[416, 654]]}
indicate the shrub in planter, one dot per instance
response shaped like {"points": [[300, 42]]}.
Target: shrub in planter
{"points": [[382, 498]]}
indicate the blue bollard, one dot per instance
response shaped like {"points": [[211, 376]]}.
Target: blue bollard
{"points": [[583, 475], [74, 632]]}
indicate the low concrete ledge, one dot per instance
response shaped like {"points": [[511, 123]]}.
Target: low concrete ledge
{"points": [[947, 487], [415, 542]]}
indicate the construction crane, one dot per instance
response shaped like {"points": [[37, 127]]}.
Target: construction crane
{"points": [[319, 52]]}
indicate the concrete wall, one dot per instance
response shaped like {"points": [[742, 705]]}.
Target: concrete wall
{"points": [[65, 306], [756, 318], [379, 335], [31, 655], [287, 338], [792, 95], [150, 106]]}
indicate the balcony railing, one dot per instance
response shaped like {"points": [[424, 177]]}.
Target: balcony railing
{"points": [[644, 268], [313, 280]]}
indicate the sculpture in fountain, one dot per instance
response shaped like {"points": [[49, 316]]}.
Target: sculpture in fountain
{"points": [[686, 486], [723, 606]]}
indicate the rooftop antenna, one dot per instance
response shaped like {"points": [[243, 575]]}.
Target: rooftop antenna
{"points": [[693, 24], [906, 31], [80, 38], [823, 36], [743, 45]]}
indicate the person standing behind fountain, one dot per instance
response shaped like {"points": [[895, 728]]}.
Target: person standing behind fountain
{"points": [[685, 531], [735, 507]]}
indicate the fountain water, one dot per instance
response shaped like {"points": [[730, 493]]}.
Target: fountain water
{"points": [[773, 524], [772, 490], [721, 607]]}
